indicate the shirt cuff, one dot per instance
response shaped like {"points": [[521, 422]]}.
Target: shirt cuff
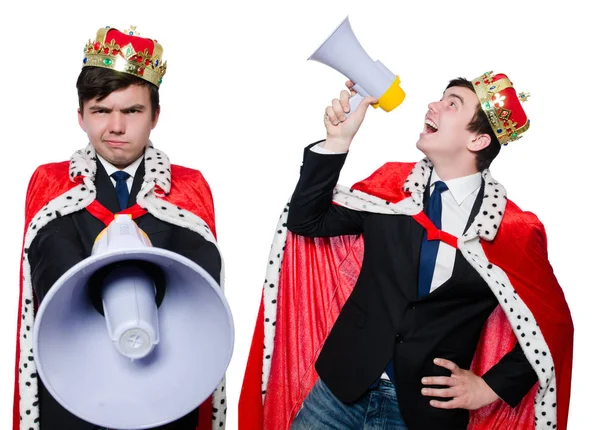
{"points": [[320, 150]]}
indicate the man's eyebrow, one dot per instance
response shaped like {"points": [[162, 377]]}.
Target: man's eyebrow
{"points": [[136, 106], [98, 107], [462, 101]]}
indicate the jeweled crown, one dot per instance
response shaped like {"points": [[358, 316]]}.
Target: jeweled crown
{"points": [[126, 52], [502, 105]]}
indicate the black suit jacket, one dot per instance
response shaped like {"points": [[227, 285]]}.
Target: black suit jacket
{"points": [[67, 240], [385, 319]]}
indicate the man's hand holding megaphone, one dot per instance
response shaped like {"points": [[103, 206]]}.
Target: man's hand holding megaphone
{"points": [[341, 127]]}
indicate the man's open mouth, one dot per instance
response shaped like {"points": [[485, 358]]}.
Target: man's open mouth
{"points": [[430, 126]]}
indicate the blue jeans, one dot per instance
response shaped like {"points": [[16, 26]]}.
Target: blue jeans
{"points": [[377, 409]]}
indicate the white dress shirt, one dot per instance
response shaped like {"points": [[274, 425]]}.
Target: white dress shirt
{"points": [[131, 169], [457, 203]]}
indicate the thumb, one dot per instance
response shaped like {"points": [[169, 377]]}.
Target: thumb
{"points": [[364, 104]]}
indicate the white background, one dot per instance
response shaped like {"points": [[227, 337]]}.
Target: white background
{"points": [[240, 101]]}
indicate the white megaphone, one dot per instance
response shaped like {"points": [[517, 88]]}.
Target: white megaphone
{"points": [[343, 52], [132, 337]]}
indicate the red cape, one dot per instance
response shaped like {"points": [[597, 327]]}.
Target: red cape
{"points": [[317, 275], [189, 190]]}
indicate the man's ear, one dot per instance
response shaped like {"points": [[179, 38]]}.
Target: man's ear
{"points": [[479, 142], [156, 115], [80, 118]]}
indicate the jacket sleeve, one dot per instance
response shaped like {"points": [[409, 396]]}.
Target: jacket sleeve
{"points": [[512, 377], [193, 246], [54, 250], [312, 213]]}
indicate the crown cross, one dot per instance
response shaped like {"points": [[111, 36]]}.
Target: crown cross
{"points": [[510, 125], [498, 100], [524, 96], [511, 129], [112, 48], [132, 31], [144, 57]]}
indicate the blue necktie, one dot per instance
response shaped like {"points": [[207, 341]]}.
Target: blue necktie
{"points": [[429, 248], [121, 187]]}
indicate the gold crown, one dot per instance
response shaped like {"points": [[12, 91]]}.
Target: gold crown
{"points": [[502, 105], [126, 52]]}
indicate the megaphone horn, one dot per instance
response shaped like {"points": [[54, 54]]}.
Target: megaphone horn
{"points": [[343, 52], [147, 345]]}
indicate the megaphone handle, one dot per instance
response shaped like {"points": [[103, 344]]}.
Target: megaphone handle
{"points": [[354, 102]]}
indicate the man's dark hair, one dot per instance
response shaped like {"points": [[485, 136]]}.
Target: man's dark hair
{"points": [[98, 83], [479, 124]]}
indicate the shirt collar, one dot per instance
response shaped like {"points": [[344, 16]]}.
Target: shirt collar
{"points": [[131, 169], [460, 188]]}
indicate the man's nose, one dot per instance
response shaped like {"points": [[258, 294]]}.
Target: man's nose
{"points": [[117, 123], [434, 106]]}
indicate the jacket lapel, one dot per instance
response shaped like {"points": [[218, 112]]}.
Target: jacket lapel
{"points": [[138, 179], [476, 206], [416, 238]]}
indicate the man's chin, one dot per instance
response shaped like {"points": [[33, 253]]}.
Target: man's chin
{"points": [[120, 161], [118, 157], [422, 145]]}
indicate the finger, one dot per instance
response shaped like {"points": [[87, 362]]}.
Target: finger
{"points": [[439, 392], [450, 365], [440, 380], [339, 111], [330, 116], [345, 100], [350, 86], [451, 404]]}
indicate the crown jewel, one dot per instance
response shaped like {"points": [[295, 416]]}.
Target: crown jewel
{"points": [[502, 105], [126, 52]]}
